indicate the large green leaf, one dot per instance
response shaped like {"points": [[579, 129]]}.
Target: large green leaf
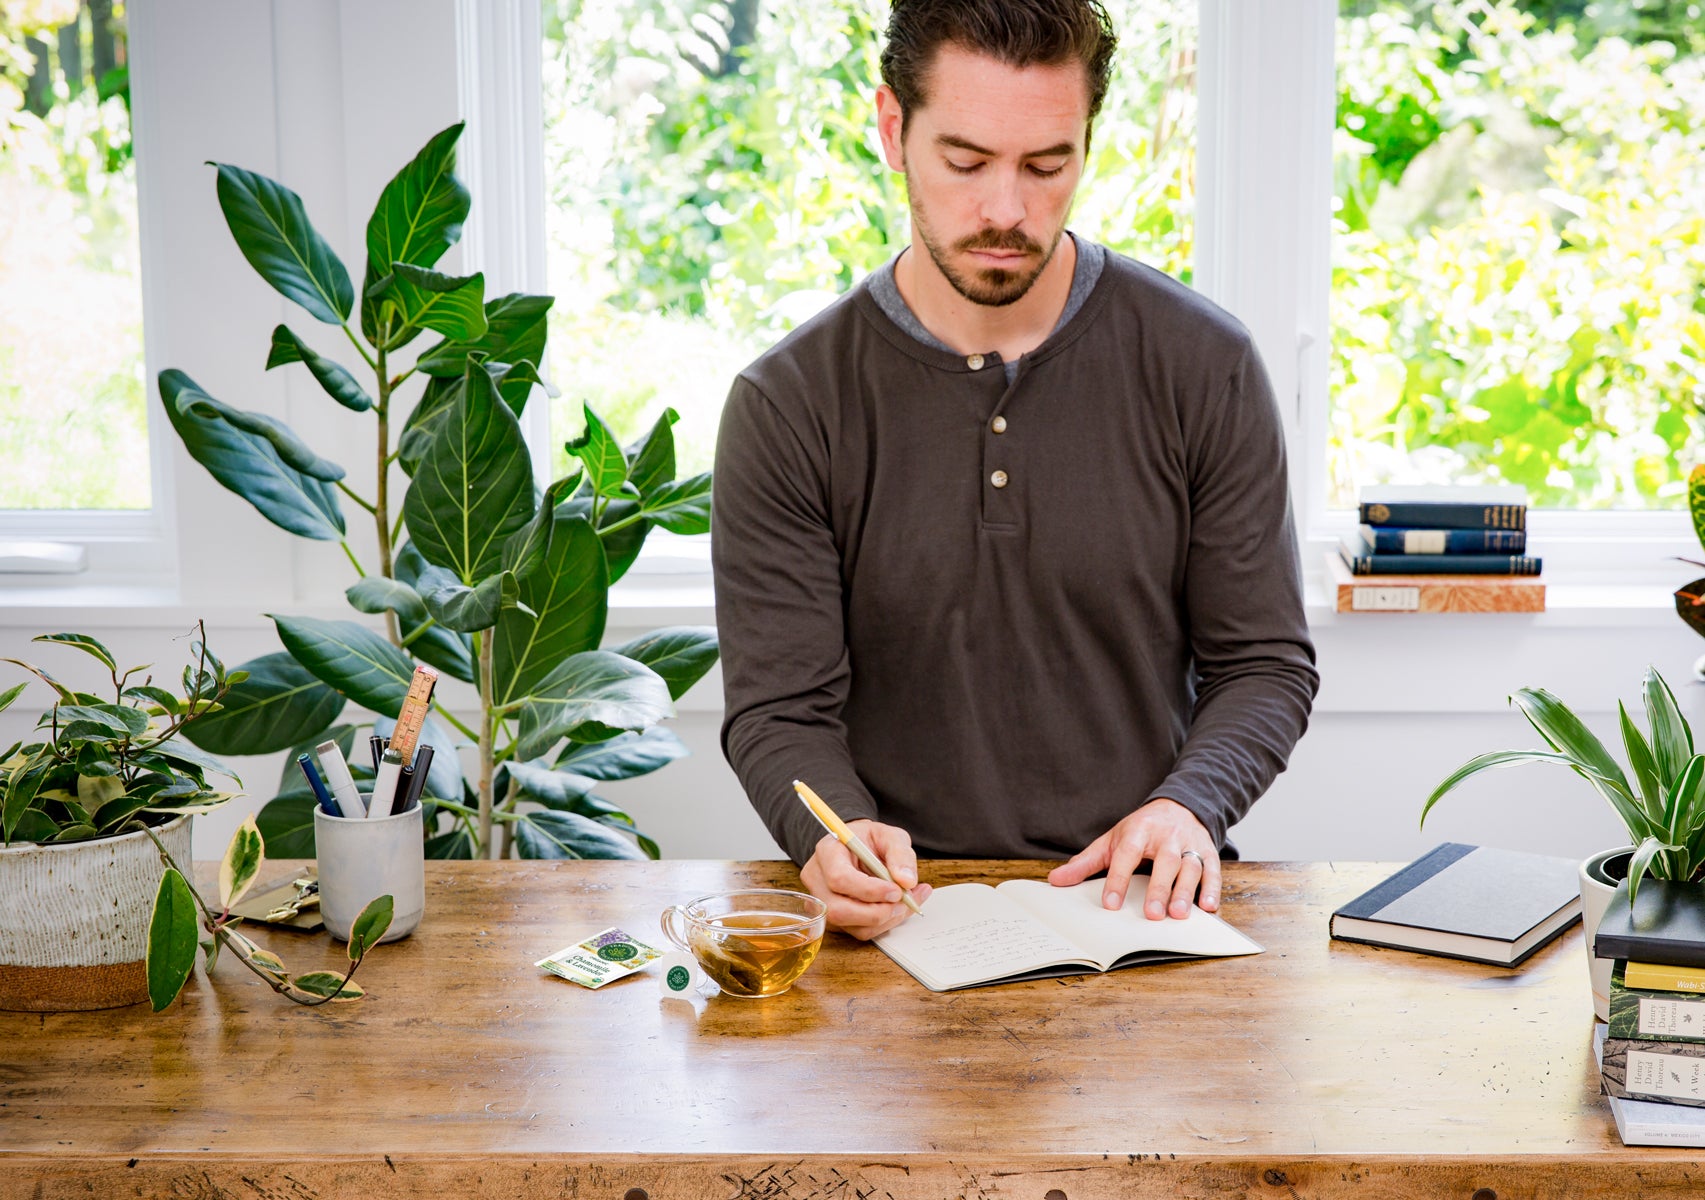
{"points": [[602, 456], [247, 461], [682, 507], [338, 383], [277, 706], [680, 653], [1617, 791], [432, 411], [450, 652], [553, 789], [470, 609], [286, 824], [528, 546], [568, 592], [1563, 730], [1672, 740], [420, 212], [453, 305], [183, 755], [115, 718], [653, 457], [83, 642], [377, 594], [623, 757], [569, 835], [351, 658], [242, 862], [593, 686], [171, 940], [458, 843], [273, 232], [515, 333], [474, 487]]}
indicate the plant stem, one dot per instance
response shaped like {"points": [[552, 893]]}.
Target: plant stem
{"points": [[348, 491], [451, 717], [353, 561], [381, 505], [483, 645], [418, 630], [509, 807], [359, 348]]}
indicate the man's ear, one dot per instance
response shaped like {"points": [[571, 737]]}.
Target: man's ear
{"points": [[891, 127]]}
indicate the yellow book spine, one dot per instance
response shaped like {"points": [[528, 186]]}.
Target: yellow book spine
{"points": [[1657, 977]]}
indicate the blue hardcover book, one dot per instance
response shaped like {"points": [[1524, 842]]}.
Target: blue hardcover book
{"points": [[1394, 539], [1353, 551], [1445, 507]]}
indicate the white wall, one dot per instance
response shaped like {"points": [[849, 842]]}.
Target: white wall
{"points": [[331, 96]]}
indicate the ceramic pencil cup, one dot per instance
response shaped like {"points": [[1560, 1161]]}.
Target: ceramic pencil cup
{"points": [[361, 859]]}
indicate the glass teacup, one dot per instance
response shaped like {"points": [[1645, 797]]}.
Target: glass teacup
{"points": [[753, 943]]}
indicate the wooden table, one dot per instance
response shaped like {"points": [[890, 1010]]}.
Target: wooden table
{"points": [[1316, 1069]]}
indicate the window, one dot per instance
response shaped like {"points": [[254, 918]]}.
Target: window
{"points": [[713, 179], [1518, 266], [73, 393]]}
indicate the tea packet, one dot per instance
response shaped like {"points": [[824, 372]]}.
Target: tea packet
{"points": [[600, 959]]}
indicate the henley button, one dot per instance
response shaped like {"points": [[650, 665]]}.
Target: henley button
{"points": [[998, 479], [998, 424], [975, 362]]}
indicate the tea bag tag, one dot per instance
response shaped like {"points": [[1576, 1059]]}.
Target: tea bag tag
{"points": [[678, 974]]}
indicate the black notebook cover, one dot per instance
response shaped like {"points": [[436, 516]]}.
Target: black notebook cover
{"points": [[1666, 926], [1474, 902]]}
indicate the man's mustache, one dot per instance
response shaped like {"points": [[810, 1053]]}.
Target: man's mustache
{"points": [[999, 239]]}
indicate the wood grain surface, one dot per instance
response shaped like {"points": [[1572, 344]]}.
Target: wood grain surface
{"points": [[1316, 1069]]}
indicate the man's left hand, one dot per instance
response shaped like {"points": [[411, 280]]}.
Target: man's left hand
{"points": [[1166, 834]]}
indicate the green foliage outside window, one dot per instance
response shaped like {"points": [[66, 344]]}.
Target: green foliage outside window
{"points": [[1519, 269]]}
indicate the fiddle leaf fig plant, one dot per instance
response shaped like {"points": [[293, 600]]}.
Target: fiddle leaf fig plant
{"points": [[1662, 806], [500, 582]]}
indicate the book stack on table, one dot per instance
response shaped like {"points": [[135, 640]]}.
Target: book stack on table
{"points": [[1653, 1051], [1440, 549]]}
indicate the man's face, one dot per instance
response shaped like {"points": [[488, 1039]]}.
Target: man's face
{"points": [[992, 161]]}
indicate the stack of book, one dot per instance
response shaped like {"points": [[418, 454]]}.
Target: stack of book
{"points": [[1440, 531], [1652, 1053], [1439, 549]]}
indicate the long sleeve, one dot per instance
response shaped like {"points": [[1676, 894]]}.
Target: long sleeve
{"points": [[1253, 659], [786, 668]]}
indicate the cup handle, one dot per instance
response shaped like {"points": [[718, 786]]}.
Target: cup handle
{"points": [[667, 921]]}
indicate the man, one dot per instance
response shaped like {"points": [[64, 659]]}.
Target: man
{"points": [[1004, 559]]}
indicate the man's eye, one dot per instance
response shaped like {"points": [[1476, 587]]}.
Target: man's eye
{"points": [[962, 168], [1044, 172]]}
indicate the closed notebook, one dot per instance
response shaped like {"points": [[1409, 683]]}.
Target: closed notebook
{"points": [[1474, 902], [1665, 926]]}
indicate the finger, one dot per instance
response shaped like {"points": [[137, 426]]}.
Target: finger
{"points": [[1210, 900], [1127, 856], [846, 876], [1161, 878], [866, 921], [1083, 864], [1190, 871], [893, 846]]}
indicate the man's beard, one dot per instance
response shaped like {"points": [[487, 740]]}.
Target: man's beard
{"points": [[993, 287]]}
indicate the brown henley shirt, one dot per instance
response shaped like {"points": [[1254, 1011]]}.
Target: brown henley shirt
{"points": [[1003, 616]]}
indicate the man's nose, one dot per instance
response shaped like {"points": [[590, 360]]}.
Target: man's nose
{"points": [[1003, 203]]}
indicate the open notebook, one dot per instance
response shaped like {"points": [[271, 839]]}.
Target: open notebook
{"points": [[973, 934]]}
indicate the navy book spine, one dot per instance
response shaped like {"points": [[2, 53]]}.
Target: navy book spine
{"points": [[1440, 514], [1397, 539], [1437, 564]]}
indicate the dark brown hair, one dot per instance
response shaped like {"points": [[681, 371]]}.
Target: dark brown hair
{"points": [[1020, 33]]}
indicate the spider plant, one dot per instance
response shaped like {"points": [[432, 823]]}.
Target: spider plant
{"points": [[1663, 809]]}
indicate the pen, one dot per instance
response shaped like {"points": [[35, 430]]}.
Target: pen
{"points": [[385, 784], [417, 781], [306, 762], [833, 823], [339, 780], [376, 745]]}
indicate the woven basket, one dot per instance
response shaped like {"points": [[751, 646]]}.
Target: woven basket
{"points": [[74, 919]]}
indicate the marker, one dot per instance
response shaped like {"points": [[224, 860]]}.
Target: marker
{"points": [[341, 782], [306, 762], [417, 780], [385, 784]]}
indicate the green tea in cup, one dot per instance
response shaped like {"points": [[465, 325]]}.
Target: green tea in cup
{"points": [[752, 943]]}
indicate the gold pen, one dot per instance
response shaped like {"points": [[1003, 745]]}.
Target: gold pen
{"points": [[832, 822]]}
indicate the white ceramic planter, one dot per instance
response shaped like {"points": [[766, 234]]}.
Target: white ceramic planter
{"points": [[1597, 887], [74, 919]]}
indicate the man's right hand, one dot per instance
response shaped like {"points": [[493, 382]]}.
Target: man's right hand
{"points": [[860, 903]]}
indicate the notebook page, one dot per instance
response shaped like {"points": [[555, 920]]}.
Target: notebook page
{"points": [[1108, 935], [970, 933]]}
